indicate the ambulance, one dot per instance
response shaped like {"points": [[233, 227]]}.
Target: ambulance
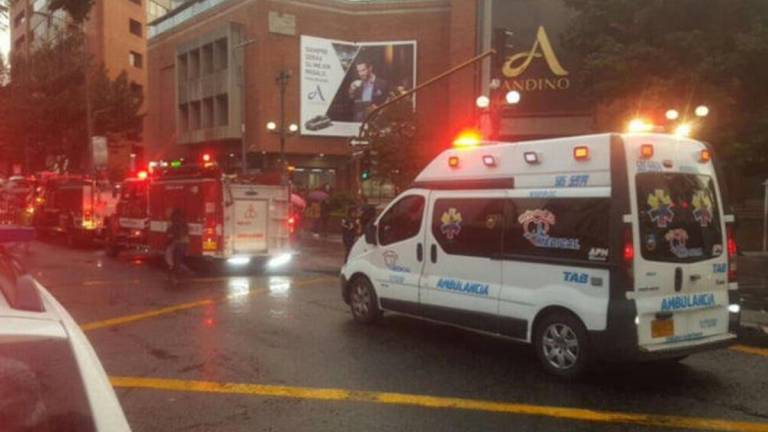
{"points": [[598, 247], [237, 220]]}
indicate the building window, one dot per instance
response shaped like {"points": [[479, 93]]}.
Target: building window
{"points": [[206, 54], [207, 114], [183, 118], [194, 115], [222, 110], [136, 60], [134, 27], [220, 54], [194, 64], [481, 226], [20, 19], [181, 60]]}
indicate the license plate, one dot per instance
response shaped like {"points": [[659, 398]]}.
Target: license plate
{"points": [[662, 328]]}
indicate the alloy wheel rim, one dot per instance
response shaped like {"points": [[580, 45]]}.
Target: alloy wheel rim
{"points": [[360, 299], [561, 346]]}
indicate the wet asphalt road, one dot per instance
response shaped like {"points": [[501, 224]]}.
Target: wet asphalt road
{"points": [[304, 365]]}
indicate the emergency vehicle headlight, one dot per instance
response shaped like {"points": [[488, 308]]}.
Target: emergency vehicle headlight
{"points": [[279, 260], [705, 156], [453, 161], [238, 260], [734, 308], [531, 157], [581, 153], [489, 160], [646, 151]]}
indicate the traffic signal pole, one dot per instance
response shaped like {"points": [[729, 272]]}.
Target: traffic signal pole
{"points": [[362, 131]]}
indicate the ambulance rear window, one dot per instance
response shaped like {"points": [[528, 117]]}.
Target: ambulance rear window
{"points": [[679, 217]]}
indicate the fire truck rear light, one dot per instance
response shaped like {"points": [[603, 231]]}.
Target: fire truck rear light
{"points": [[453, 161], [531, 157], [581, 153], [142, 175], [489, 161], [646, 151]]}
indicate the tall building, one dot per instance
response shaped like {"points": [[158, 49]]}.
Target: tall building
{"points": [[215, 69]]}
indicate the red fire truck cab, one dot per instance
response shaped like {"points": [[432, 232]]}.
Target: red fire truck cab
{"points": [[75, 207], [240, 220]]}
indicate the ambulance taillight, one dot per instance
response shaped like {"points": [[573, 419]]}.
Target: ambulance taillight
{"points": [[629, 257], [732, 249]]}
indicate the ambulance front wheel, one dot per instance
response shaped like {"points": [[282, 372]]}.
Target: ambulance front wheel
{"points": [[363, 301], [562, 344]]}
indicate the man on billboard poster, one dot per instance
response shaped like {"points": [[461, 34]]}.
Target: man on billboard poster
{"points": [[366, 92]]}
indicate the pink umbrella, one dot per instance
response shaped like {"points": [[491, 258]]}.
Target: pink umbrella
{"points": [[298, 201]]}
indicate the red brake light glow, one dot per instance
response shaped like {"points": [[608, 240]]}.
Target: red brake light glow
{"points": [[732, 249], [142, 175], [206, 157]]}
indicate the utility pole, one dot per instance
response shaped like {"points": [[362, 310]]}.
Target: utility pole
{"points": [[282, 81]]}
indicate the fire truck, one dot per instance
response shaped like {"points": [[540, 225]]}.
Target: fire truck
{"points": [[127, 228], [76, 207], [239, 220]]}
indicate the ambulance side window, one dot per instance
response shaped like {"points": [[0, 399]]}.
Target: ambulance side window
{"points": [[560, 228], [402, 221], [469, 226]]}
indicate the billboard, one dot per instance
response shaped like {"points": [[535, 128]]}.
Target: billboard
{"points": [[341, 82]]}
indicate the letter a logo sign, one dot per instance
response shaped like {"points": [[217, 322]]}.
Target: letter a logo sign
{"points": [[518, 63]]}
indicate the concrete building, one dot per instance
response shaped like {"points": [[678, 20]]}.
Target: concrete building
{"points": [[213, 66]]}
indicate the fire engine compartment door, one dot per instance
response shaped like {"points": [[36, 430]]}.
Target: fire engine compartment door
{"points": [[251, 219]]}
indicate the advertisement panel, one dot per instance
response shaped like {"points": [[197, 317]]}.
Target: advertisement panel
{"points": [[341, 82]]}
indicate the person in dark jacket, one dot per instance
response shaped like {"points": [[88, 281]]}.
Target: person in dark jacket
{"points": [[349, 230], [178, 235]]}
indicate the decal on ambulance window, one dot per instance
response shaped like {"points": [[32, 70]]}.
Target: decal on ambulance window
{"points": [[451, 220], [558, 228], [677, 239], [469, 226], [660, 212], [536, 225], [694, 232], [702, 208]]}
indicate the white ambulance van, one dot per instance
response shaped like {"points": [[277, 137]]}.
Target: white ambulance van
{"points": [[612, 246]]}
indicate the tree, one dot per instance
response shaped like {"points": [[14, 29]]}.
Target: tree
{"points": [[646, 57], [47, 95], [392, 135], [78, 10]]}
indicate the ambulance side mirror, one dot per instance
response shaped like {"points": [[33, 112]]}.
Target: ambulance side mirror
{"points": [[370, 234]]}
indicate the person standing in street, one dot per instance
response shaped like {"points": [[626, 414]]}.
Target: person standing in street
{"points": [[349, 230], [178, 235]]}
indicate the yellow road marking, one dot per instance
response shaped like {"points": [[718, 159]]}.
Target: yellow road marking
{"points": [[750, 350], [335, 394], [176, 308], [137, 317]]}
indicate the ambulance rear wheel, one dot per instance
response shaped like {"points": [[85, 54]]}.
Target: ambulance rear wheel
{"points": [[562, 344], [363, 301]]}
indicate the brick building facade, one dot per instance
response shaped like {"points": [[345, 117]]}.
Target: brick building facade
{"points": [[206, 55]]}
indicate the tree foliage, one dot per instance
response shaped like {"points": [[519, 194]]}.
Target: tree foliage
{"points": [[47, 100], [648, 56], [78, 10], [392, 135]]}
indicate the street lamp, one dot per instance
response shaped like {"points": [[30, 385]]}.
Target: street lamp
{"points": [[271, 126], [701, 111], [293, 128], [672, 114], [512, 97], [483, 102]]}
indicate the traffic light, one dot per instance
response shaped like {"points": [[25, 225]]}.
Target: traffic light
{"points": [[366, 166]]}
